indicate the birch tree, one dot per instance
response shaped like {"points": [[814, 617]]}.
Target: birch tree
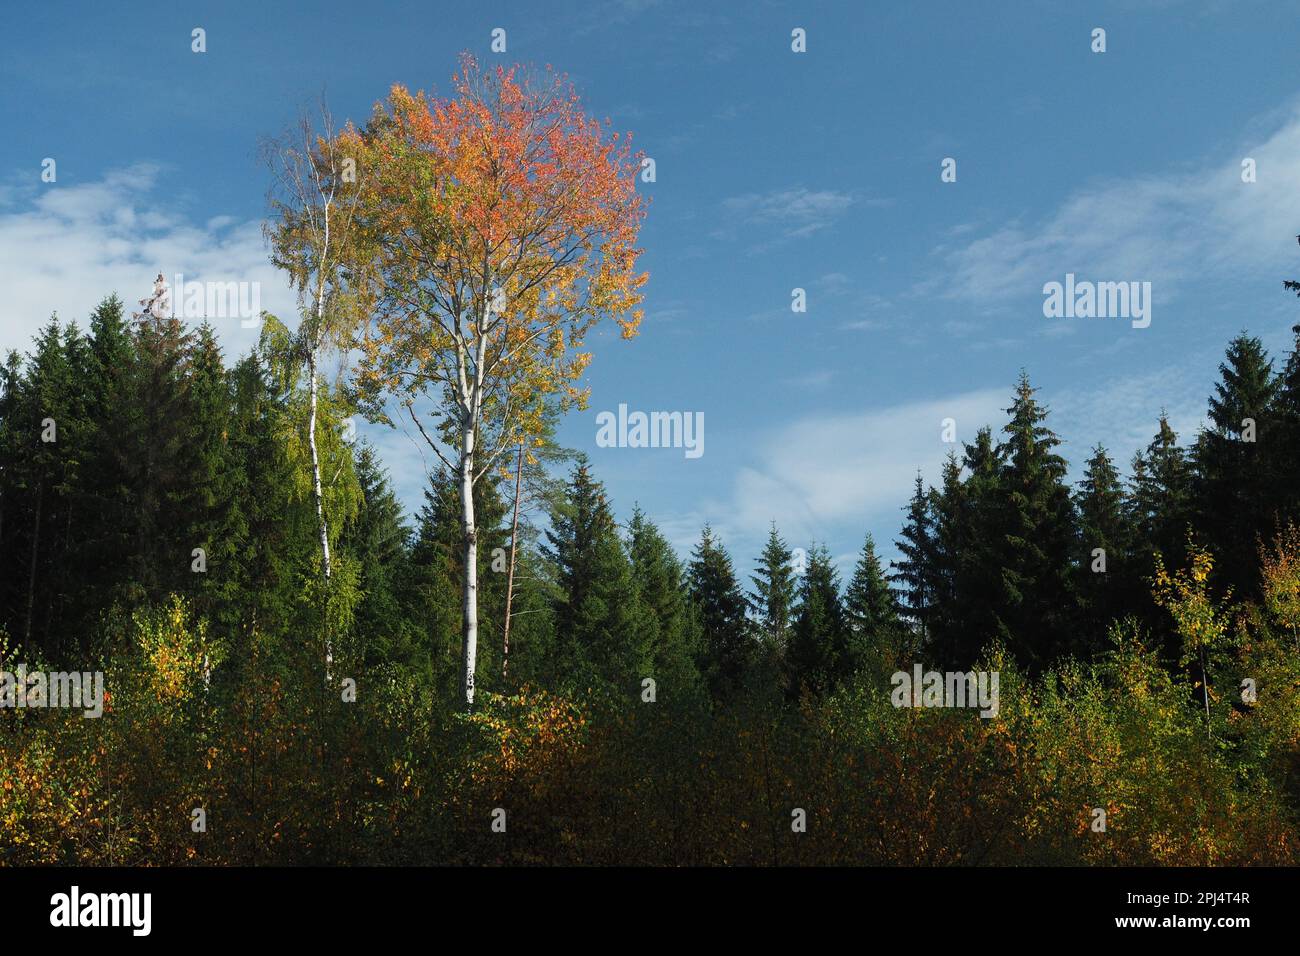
{"points": [[500, 227], [313, 201]]}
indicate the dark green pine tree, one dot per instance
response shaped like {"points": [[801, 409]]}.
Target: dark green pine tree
{"points": [[533, 655], [433, 590], [1136, 509], [1284, 454], [151, 435], [51, 429], [1233, 475], [14, 446], [913, 576], [109, 526], [719, 609], [772, 599], [950, 514], [661, 591], [1108, 585], [871, 612], [211, 495], [377, 540], [64, 608], [110, 347], [1161, 505], [260, 540], [602, 631], [1037, 538], [977, 585], [820, 656]]}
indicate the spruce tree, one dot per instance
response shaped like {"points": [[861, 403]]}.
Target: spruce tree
{"points": [[871, 611], [110, 526], [377, 542], [1283, 454], [1233, 473], [913, 576], [51, 422], [1161, 506], [978, 575], [950, 512], [210, 496], [772, 599], [14, 448], [820, 656], [661, 591], [150, 434], [1037, 537], [602, 630], [261, 540], [719, 609], [1106, 581]]}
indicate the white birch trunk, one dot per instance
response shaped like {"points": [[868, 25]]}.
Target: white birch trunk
{"points": [[472, 400], [313, 389], [470, 603], [315, 471]]}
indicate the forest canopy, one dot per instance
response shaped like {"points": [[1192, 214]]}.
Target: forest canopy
{"points": [[167, 535]]}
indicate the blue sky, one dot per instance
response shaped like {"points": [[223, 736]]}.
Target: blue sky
{"points": [[775, 170]]}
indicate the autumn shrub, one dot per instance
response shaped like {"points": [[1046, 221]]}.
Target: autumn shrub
{"points": [[288, 770]]}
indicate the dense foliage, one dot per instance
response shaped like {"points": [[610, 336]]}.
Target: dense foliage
{"points": [[157, 523]]}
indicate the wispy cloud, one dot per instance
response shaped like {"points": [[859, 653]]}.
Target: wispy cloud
{"points": [[65, 246], [800, 209], [1166, 228], [811, 493], [786, 214], [1122, 412], [615, 13]]}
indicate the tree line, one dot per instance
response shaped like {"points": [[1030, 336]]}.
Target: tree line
{"points": [[158, 521], [136, 465]]}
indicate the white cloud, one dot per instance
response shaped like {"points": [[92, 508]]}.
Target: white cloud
{"points": [[832, 477], [1168, 228], [65, 246], [616, 13], [799, 212], [825, 472]]}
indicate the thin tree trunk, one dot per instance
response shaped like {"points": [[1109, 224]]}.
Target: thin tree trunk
{"points": [[320, 504], [1205, 693], [472, 407], [60, 629], [510, 574], [317, 333], [470, 604], [31, 580], [315, 471]]}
